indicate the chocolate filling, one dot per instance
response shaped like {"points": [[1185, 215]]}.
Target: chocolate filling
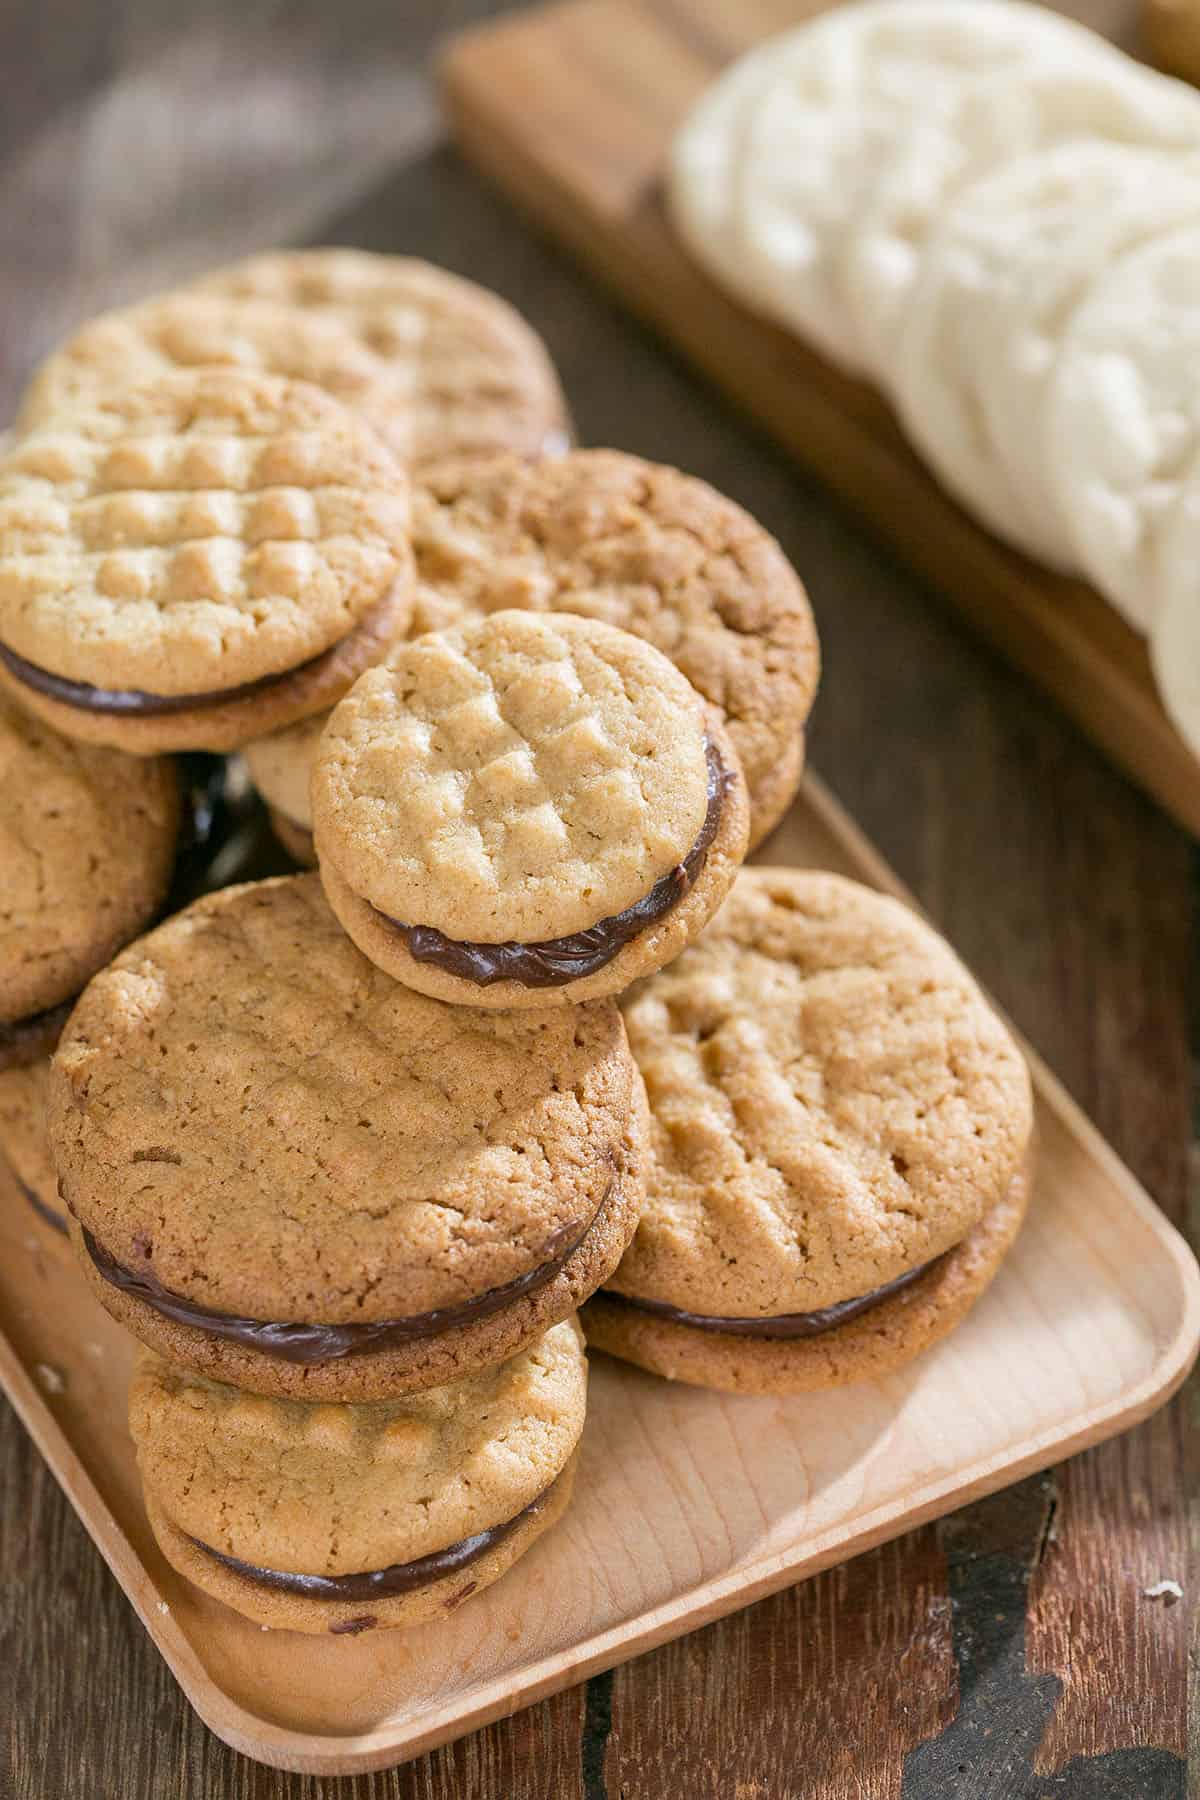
{"points": [[26, 1041], [307, 1344], [780, 1325], [135, 702], [559, 960], [50, 1215], [382, 1584]]}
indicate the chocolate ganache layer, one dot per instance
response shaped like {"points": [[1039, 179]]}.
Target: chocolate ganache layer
{"points": [[779, 1325], [305, 1344], [383, 1584], [26, 1041], [50, 1215], [559, 960], [135, 702]]}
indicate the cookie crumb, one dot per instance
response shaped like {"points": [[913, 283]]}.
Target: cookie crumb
{"points": [[52, 1379], [352, 1627], [1167, 1590]]}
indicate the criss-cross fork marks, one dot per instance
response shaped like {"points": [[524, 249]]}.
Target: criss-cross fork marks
{"points": [[526, 762], [229, 518]]}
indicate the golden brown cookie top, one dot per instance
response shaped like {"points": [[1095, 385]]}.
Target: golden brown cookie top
{"points": [[834, 1102], [87, 845], [519, 778], [207, 530], [136, 344], [643, 547], [246, 1110], [336, 1489], [453, 368], [491, 533]]}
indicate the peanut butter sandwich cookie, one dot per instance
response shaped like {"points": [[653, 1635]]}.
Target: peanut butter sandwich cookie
{"points": [[87, 850], [137, 344], [291, 1173], [641, 547], [353, 1518], [192, 563], [659, 554], [527, 810], [446, 365], [838, 1160]]}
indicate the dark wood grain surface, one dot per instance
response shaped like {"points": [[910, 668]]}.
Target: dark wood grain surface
{"points": [[1009, 1651]]}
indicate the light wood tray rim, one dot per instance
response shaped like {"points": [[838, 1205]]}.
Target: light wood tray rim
{"points": [[402, 1739]]}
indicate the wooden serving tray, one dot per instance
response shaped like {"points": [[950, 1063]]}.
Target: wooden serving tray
{"points": [[570, 108], [688, 1504]]}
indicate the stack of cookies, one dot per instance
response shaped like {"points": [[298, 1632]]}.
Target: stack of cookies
{"points": [[347, 1150]]}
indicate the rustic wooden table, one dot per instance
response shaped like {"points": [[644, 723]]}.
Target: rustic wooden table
{"points": [[1008, 1651]]}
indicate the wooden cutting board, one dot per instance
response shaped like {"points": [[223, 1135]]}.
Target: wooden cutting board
{"points": [[570, 109], [688, 1504]]}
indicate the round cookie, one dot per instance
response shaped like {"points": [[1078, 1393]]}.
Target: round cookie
{"points": [[801, 133], [448, 366], [643, 547], [651, 550], [839, 1129], [291, 1173], [983, 327], [137, 344], [87, 848], [24, 1145], [191, 563], [862, 1347], [533, 809], [350, 1518]]}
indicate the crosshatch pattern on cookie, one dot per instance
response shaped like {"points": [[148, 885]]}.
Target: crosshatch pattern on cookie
{"points": [[452, 366], [642, 547], [139, 343], [522, 777], [337, 1148], [834, 1102], [331, 1488], [205, 530]]}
